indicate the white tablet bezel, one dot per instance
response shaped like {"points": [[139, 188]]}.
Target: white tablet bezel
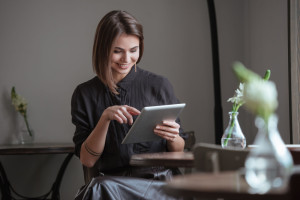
{"points": [[142, 128]]}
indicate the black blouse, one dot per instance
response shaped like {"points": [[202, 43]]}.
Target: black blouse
{"points": [[138, 89]]}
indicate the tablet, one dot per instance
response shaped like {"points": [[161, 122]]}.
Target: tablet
{"points": [[142, 128]]}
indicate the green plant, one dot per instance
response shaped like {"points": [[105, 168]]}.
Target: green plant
{"points": [[20, 105], [253, 83], [260, 94]]}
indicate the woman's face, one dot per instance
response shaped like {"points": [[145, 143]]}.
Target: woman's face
{"points": [[124, 54]]}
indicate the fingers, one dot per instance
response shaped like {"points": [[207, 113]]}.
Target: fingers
{"points": [[122, 114], [171, 124], [168, 130], [132, 110]]}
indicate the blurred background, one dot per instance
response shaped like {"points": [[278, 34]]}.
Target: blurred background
{"points": [[46, 51]]}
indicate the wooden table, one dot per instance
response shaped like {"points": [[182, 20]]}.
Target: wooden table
{"points": [[222, 185], [36, 148], [32, 149], [186, 159], [293, 148], [167, 159]]}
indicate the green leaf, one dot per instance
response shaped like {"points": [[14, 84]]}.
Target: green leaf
{"points": [[244, 75], [267, 75], [13, 94]]}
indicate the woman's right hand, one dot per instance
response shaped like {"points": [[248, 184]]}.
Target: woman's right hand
{"points": [[122, 114]]}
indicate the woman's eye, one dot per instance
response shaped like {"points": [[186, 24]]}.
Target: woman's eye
{"points": [[116, 51], [132, 51]]}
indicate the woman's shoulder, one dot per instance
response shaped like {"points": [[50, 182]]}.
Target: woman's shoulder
{"points": [[92, 82], [152, 77], [90, 86]]}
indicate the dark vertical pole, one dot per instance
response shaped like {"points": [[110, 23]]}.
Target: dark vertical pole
{"points": [[290, 76], [216, 72]]}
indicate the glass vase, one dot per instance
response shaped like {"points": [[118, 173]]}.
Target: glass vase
{"points": [[25, 137], [26, 133], [233, 136], [269, 163]]}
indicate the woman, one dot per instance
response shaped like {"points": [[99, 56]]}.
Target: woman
{"points": [[104, 108]]}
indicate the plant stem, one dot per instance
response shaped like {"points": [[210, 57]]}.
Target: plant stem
{"points": [[27, 125], [230, 129]]}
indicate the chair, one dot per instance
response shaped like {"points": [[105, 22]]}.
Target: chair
{"points": [[8, 192], [190, 140], [188, 146], [296, 156], [213, 158], [89, 173], [294, 183]]}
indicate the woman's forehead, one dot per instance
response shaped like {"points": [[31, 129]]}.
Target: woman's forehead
{"points": [[126, 41]]}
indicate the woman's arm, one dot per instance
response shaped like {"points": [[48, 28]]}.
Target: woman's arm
{"points": [[176, 145], [169, 130], [93, 146]]}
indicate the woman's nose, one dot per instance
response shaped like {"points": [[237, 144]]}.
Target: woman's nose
{"points": [[126, 57]]}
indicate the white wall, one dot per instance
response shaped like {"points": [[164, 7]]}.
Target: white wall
{"points": [[254, 32], [46, 51], [268, 48]]}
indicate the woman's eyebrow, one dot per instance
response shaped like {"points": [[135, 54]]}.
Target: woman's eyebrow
{"points": [[130, 48]]}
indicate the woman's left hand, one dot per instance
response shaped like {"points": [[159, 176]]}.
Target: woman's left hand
{"points": [[168, 130]]}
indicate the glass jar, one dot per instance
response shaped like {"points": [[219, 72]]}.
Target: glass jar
{"points": [[269, 163], [233, 136], [26, 133], [25, 137]]}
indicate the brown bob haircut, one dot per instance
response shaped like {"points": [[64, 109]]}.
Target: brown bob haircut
{"points": [[111, 26]]}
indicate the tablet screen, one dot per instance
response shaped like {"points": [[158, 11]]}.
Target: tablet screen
{"points": [[142, 128]]}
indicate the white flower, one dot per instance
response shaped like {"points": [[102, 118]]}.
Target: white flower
{"points": [[238, 97], [261, 97], [19, 102]]}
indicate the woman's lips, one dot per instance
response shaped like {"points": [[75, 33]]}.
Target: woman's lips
{"points": [[124, 66]]}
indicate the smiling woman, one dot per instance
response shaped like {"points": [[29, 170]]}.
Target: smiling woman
{"points": [[104, 109]]}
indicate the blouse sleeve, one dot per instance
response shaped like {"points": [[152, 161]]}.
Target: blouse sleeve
{"points": [[80, 118]]}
